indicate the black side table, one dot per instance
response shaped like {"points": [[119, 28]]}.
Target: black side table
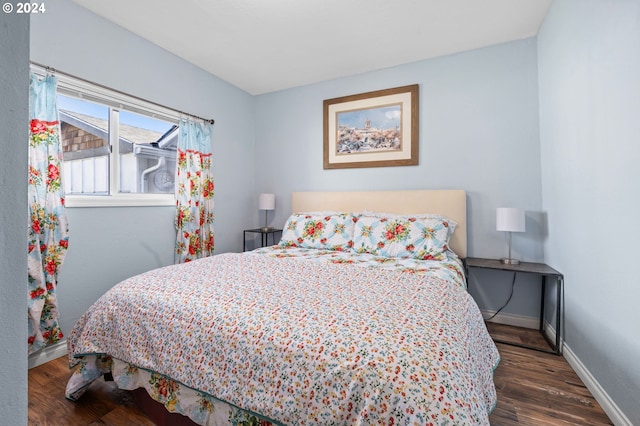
{"points": [[532, 268], [264, 236]]}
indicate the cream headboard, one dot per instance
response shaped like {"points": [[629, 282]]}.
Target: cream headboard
{"points": [[449, 203]]}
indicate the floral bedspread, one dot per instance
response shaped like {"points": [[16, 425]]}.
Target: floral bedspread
{"points": [[292, 342]]}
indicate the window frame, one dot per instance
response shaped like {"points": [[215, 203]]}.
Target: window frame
{"points": [[116, 101]]}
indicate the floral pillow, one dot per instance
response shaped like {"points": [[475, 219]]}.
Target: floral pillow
{"points": [[332, 231], [419, 237], [451, 224]]}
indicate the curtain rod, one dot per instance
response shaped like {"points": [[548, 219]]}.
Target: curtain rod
{"points": [[55, 71]]}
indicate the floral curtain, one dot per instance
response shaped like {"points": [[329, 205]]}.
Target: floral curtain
{"points": [[48, 230], [194, 192]]}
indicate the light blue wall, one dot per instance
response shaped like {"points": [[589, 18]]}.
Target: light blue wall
{"points": [[14, 122], [589, 67], [109, 244], [478, 132]]}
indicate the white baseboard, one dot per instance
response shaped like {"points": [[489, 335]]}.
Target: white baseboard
{"points": [[48, 354], [608, 405], [512, 319], [610, 408]]}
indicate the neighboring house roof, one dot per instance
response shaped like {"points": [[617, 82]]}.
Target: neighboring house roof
{"points": [[149, 142]]}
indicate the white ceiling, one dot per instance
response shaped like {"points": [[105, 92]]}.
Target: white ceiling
{"points": [[263, 46]]}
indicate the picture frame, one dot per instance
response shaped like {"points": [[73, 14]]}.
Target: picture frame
{"points": [[373, 129]]}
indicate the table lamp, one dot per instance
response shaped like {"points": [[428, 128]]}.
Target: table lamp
{"points": [[266, 202], [510, 219]]}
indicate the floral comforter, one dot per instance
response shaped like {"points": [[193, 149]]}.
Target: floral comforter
{"points": [[252, 338]]}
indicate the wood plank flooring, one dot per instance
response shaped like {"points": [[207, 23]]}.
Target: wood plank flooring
{"points": [[534, 388], [102, 404]]}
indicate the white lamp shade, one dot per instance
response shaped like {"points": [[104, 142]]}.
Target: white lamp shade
{"points": [[267, 202], [510, 219]]}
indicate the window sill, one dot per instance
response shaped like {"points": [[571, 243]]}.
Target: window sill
{"points": [[120, 200]]}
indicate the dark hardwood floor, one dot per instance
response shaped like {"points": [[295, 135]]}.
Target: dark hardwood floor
{"points": [[534, 388]]}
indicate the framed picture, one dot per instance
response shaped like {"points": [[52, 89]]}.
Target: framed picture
{"points": [[374, 129]]}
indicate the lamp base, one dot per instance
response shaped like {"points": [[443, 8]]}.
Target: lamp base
{"points": [[266, 229], [507, 261]]}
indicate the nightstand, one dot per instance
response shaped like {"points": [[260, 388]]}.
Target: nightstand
{"points": [[544, 271], [264, 236]]}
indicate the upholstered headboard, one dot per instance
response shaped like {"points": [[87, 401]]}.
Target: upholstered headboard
{"points": [[449, 203]]}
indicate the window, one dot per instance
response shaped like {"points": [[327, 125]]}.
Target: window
{"points": [[144, 154], [117, 150], [147, 154], [84, 132]]}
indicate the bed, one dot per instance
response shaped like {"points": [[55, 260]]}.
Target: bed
{"points": [[359, 315]]}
